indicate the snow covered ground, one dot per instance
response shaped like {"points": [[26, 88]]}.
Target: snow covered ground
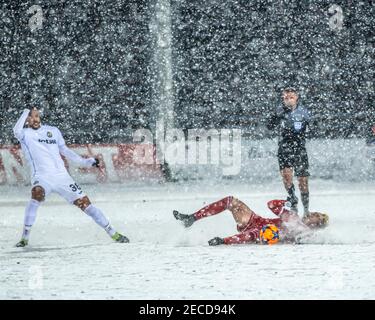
{"points": [[70, 257]]}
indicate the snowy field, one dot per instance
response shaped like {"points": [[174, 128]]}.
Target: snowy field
{"points": [[70, 257]]}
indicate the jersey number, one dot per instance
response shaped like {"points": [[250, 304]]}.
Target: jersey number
{"points": [[75, 187]]}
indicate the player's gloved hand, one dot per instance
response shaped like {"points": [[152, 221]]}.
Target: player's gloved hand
{"points": [[216, 241], [90, 162], [96, 163]]}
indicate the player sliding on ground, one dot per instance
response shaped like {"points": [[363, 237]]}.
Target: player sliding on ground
{"points": [[249, 225], [42, 146]]}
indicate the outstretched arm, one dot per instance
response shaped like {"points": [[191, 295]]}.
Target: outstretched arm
{"points": [[275, 118], [250, 236], [247, 237], [71, 155], [18, 128], [273, 121]]}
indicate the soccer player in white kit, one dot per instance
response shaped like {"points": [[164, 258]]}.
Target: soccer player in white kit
{"points": [[42, 146]]}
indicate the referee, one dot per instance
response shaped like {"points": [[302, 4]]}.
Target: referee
{"points": [[292, 120]]}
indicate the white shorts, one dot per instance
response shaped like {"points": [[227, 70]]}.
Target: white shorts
{"points": [[63, 184]]}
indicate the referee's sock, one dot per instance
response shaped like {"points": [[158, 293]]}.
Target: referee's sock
{"points": [[291, 191], [292, 195], [305, 197], [292, 198]]}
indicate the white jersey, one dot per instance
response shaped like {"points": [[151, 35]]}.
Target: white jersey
{"points": [[42, 148]]}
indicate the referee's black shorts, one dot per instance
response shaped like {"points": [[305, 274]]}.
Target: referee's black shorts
{"points": [[296, 158]]}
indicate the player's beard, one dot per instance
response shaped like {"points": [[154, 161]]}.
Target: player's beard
{"points": [[35, 125]]}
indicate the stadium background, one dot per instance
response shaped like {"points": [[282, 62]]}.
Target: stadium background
{"points": [[96, 69], [92, 66]]}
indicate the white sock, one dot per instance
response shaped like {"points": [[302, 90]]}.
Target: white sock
{"points": [[109, 229], [30, 216], [97, 215]]}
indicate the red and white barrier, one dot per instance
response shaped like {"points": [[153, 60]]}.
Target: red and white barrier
{"points": [[337, 159], [119, 163]]}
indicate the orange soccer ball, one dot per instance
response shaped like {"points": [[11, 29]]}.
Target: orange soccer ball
{"points": [[269, 234]]}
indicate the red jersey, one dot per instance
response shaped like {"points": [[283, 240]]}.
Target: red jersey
{"points": [[288, 223]]}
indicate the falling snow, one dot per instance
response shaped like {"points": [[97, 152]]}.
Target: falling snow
{"points": [[99, 70]]}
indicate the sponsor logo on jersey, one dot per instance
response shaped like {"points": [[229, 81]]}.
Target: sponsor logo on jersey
{"points": [[297, 125], [49, 134], [48, 141]]}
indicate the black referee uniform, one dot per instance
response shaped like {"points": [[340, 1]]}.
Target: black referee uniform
{"points": [[292, 127]]}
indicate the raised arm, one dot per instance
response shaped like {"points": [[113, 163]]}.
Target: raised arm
{"points": [[18, 128], [276, 206], [282, 209], [71, 155]]}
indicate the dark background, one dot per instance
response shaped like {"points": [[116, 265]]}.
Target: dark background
{"points": [[91, 69]]}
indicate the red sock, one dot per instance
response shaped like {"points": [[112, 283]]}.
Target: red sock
{"points": [[213, 208]]}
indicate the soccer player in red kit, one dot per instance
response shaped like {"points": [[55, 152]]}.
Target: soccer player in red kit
{"points": [[249, 223]]}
